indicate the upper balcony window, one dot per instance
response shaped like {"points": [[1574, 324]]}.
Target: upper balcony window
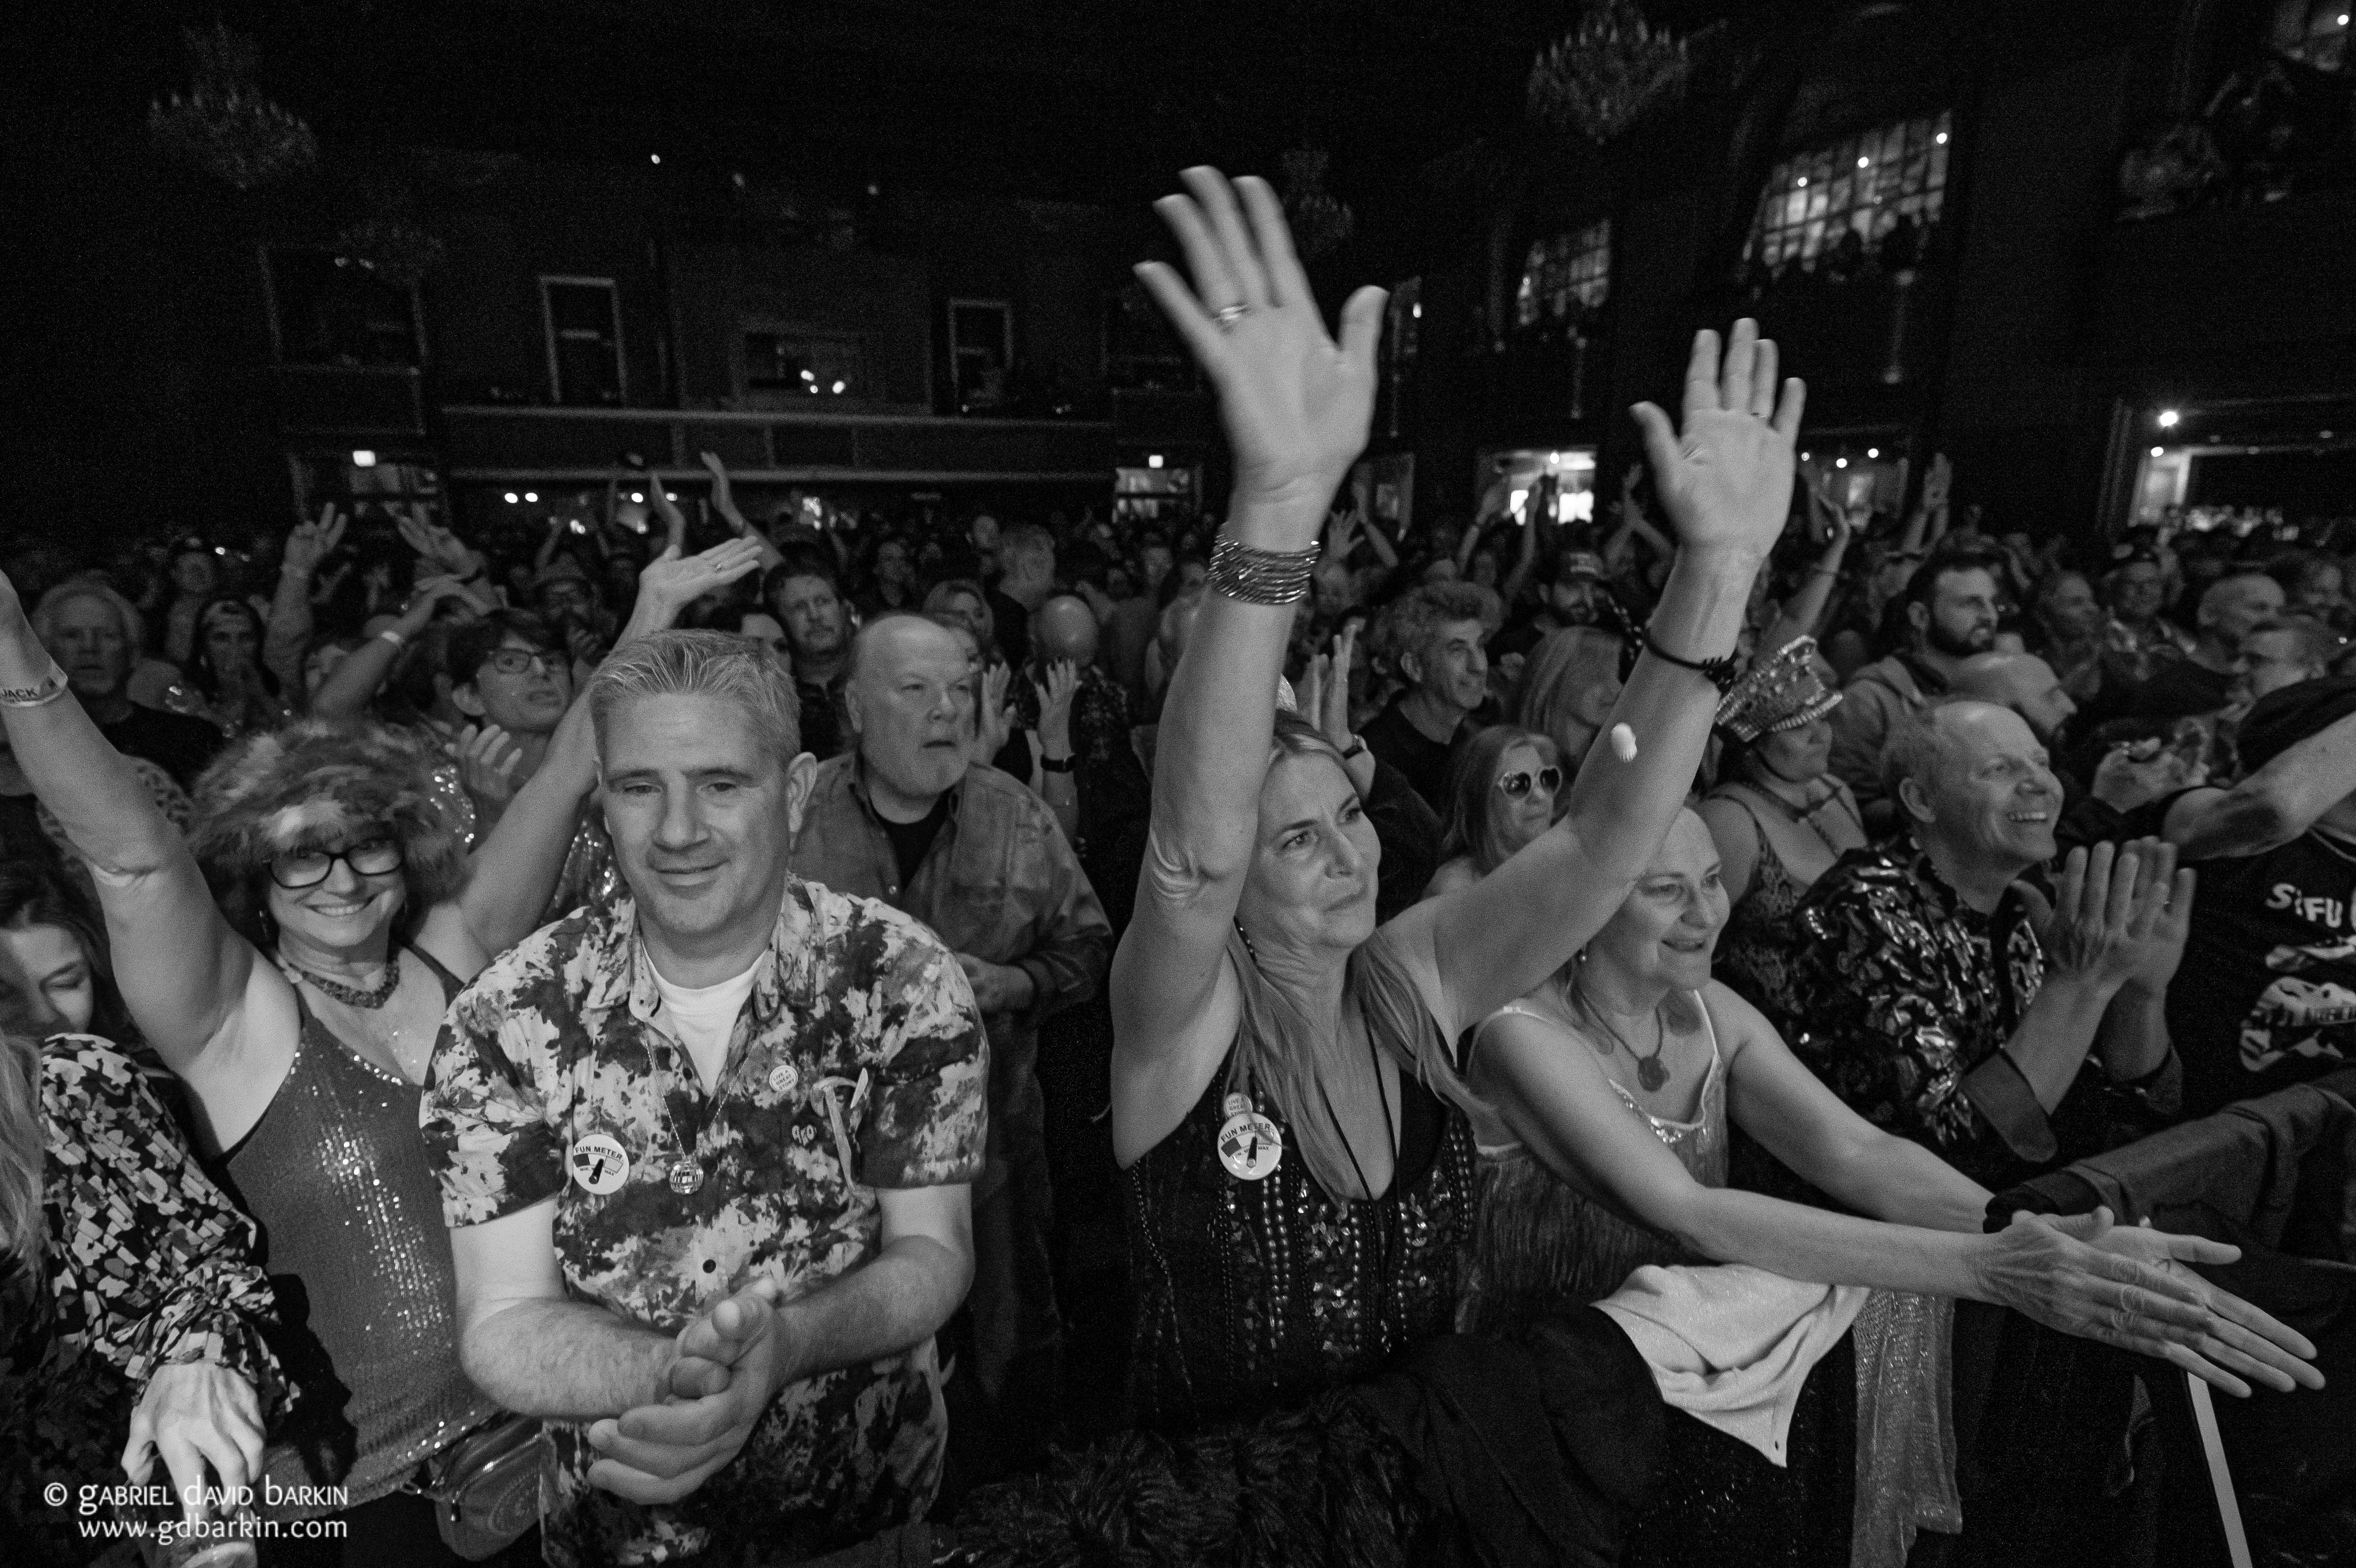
{"points": [[1869, 185], [1573, 268], [796, 362], [584, 321], [2313, 31]]}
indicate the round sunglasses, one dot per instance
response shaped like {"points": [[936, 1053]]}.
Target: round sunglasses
{"points": [[1517, 784], [301, 868]]}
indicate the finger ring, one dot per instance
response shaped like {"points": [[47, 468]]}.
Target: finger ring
{"points": [[1228, 315]]}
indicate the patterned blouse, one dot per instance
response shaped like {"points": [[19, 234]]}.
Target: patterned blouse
{"points": [[858, 1063], [1902, 997], [147, 1264]]}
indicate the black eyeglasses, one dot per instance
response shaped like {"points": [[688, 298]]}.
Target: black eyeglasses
{"points": [[516, 660], [301, 868], [1517, 784]]}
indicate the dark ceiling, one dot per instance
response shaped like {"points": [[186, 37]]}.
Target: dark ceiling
{"points": [[1078, 100]]}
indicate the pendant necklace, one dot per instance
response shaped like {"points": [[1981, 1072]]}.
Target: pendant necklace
{"points": [[1650, 1070], [370, 998], [1793, 813]]}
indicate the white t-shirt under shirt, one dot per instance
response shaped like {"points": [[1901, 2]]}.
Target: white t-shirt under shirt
{"points": [[704, 1017]]}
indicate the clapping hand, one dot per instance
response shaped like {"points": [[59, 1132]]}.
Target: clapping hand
{"points": [[2112, 921], [1055, 707], [674, 520], [724, 499], [1725, 478], [2128, 1287], [730, 1364], [1295, 404]]}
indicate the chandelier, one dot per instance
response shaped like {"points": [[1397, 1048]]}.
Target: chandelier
{"points": [[222, 125], [1319, 221], [1599, 77]]}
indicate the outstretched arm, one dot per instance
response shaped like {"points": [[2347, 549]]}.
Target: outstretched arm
{"points": [[2273, 805], [289, 633], [724, 501], [1727, 483], [1296, 406]]}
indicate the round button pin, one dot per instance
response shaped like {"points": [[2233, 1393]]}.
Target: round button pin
{"points": [[1250, 1146], [784, 1078], [599, 1164]]}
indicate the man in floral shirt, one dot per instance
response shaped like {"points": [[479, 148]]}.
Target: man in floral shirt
{"points": [[705, 1156], [1924, 994]]}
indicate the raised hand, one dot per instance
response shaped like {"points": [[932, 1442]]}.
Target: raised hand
{"points": [[674, 520], [2109, 921], [677, 581], [312, 542], [2161, 917], [1937, 482], [993, 721], [439, 547], [195, 1413], [1055, 707], [1295, 404], [1725, 478], [661, 1453], [2127, 1287], [487, 756], [723, 498], [1332, 709]]}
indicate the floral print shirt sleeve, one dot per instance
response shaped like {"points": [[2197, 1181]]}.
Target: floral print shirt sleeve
{"points": [[147, 1264], [857, 1066]]}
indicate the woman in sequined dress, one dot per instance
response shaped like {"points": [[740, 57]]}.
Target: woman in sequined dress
{"points": [[301, 1010], [1298, 1197]]}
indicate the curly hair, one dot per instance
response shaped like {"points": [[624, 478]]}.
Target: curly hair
{"points": [[315, 782], [1414, 620]]}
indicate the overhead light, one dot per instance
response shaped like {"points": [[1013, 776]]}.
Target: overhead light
{"points": [[2167, 418], [1863, 162], [670, 495], [1804, 182], [1416, 310], [1804, 456], [2323, 435], [1516, 500], [837, 387], [2159, 451], [654, 157], [873, 188], [531, 496], [363, 458], [1941, 139], [1873, 451], [809, 375], [1154, 459], [1840, 462], [220, 549], [636, 497]]}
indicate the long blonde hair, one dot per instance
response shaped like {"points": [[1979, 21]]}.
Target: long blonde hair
{"points": [[22, 1229]]}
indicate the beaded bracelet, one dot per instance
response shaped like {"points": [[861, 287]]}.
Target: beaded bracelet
{"points": [[1261, 577]]}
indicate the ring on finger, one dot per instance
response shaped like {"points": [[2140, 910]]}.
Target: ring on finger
{"points": [[1228, 315]]}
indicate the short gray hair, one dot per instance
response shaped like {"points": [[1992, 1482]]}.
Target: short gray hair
{"points": [[1916, 746], [53, 603], [744, 669]]}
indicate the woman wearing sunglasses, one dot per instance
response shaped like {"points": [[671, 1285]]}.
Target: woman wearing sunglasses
{"points": [[300, 1010], [1779, 817], [1501, 792]]}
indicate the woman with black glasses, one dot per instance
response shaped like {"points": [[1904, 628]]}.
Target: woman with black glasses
{"points": [[291, 960], [1501, 792]]}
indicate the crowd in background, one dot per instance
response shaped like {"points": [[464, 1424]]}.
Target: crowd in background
{"points": [[325, 843]]}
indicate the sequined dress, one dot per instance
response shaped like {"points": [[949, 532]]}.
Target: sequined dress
{"points": [[1541, 1245], [1255, 1295], [355, 1246]]}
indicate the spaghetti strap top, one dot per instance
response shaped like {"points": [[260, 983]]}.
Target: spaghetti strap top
{"points": [[1754, 950], [1540, 1244], [353, 1241]]}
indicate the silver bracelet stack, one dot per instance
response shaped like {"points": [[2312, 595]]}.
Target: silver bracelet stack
{"points": [[1261, 577]]}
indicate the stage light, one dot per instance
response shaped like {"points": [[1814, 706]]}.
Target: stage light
{"points": [[2159, 451], [2167, 418], [636, 497], [1941, 139], [1873, 451], [1416, 311], [1154, 459], [1804, 182], [838, 388], [363, 458], [1804, 456], [1863, 162], [1840, 462], [532, 497], [511, 497], [654, 157]]}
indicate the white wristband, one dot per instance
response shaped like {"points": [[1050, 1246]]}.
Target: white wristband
{"points": [[392, 634]]}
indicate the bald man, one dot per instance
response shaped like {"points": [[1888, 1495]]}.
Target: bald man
{"points": [[2214, 676], [903, 817], [1923, 996], [2023, 682]]}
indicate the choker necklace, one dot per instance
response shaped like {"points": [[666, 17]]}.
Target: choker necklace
{"points": [[352, 997], [1650, 1070]]}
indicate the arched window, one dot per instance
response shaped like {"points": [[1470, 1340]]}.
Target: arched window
{"points": [[1869, 184], [1573, 268]]}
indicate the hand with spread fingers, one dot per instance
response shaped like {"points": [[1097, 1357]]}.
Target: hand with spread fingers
{"points": [[486, 758], [671, 582], [2129, 1287], [1724, 472], [1295, 403]]}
